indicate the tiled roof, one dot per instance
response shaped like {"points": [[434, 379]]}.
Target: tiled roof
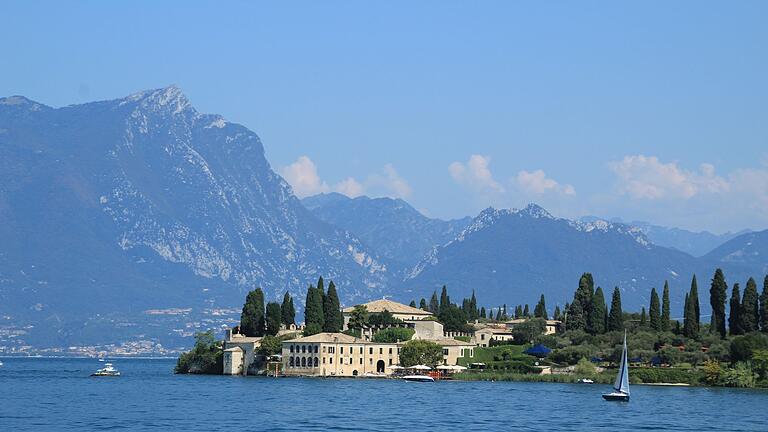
{"points": [[378, 306]]}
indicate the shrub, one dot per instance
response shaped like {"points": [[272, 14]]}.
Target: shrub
{"points": [[205, 358], [743, 346], [421, 352], [664, 375]]}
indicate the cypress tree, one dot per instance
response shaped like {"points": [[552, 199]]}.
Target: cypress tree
{"points": [[504, 315], [473, 312], [287, 311], [643, 318], [541, 308], [734, 319], [423, 304], [274, 316], [252, 317], [764, 306], [445, 301], [616, 316], [333, 318], [576, 319], [654, 311], [313, 309], [750, 311], [597, 315], [578, 314], [665, 314], [688, 318], [718, 292], [526, 311], [482, 312], [518, 312], [412, 303], [557, 315], [434, 306], [498, 315], [695, 307]]}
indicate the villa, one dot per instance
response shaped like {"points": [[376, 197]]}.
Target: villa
{"points": [[398, 310]]}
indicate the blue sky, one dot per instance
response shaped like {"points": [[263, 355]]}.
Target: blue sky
{"points": [[651, 111]]}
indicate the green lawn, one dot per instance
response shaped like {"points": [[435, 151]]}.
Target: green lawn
{"points": [[487, 355]]}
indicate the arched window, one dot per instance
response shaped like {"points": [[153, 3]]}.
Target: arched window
{"points": [[316, 349], [303, 362], [317, 362], [290, 361], [303, 349], [291, 348]]}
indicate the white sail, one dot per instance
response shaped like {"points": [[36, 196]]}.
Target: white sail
{"points": [[622, 379]]}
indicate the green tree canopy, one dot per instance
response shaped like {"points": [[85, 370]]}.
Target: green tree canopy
{"points": [[421, 352], [596, 319], [445, 300], [750, 310], [540, 311], [434, 306], [273, 318], [616, 316], [643, 317], [393, 334], [252, 316], [383, 319], [695, 305], [204, 358], [734, 319], [764, 306], [412, 303], [665, 313], [358, 318], [313, 308], [718, 292], [287, 311], [423, 304], [527, 331], [654, 311], [334, 319], [454, 319]]}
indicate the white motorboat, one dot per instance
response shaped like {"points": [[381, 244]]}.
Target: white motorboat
{"points": [[107, 370], [585, 381], [419, 378]]}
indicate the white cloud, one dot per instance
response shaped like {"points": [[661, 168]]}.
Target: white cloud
{"points": [[538, 183], [350, 187], [646, 177], [302, 176], [475, 173]]}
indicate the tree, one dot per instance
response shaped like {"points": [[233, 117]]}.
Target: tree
{"points": [[654, 311], [596, 319], [273, 318], [412, 303], [557, 315], [695, 307], [665, 314], [518, 312], [482, 312], [578, 315], [252, 317], [454, 319], [473, 312], [540, 311], [270, 345], [528, 330], [616, 316], [334, 319], [504, 315], [688, 318], [287, 311], [445, 301], [576, 319], [358, 318], [424, 352], [749, 314], [643, 318], [313, 308], [393, 334], [764, 306], [498, 315], [717, 297], [434, 306], [526, 311], [205, 357], [423, 304], [734, 320]]}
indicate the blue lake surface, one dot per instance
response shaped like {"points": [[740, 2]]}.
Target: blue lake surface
{"points": [[59, 395]]}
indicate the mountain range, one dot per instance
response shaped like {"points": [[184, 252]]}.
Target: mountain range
{"points": [[141, 218]]}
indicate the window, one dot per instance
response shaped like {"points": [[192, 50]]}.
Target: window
{"points": [[361, 360], [361, 350], [290, 361], [323, 360], [291, 348], [330, 360], [316, 362], [390, 362], [303, 362], [315, 349], [370, 350], [381, 351], [461, 352], [370, 361], [303, 349], [341, 350], [445, 351], [331, 350], [390, 351], [482, 337]]}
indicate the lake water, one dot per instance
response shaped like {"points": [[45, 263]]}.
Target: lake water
{"points": [[58, 394]]}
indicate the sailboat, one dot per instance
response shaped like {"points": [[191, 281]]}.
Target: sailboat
{"points": [[621, 385]]}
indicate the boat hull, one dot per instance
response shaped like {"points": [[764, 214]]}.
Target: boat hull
{"points": [[619, 397], [419, 378]]}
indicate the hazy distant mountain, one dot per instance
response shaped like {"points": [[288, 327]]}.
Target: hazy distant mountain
{"points": [[696, 243], [511, 256], [389, 227], [143, 202], [750, 249]]}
